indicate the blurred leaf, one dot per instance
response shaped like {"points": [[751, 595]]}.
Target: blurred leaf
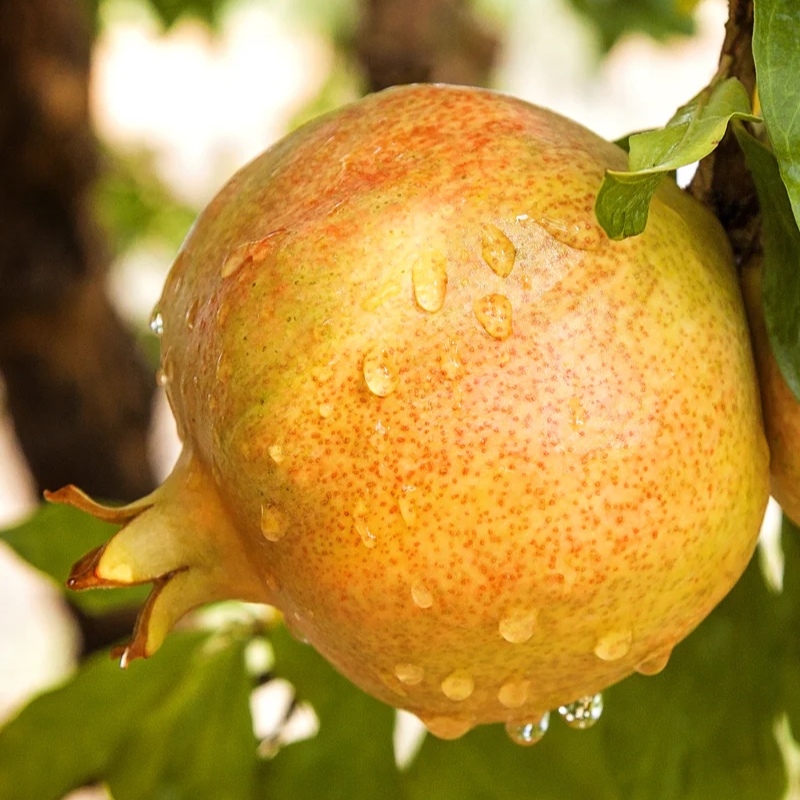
{"points": [[781, 240], [656, 18], [105, 724], [54, 538], [132, 204], [198, 741], [777, 56], [170, 11], [351, 758], [623, 202]]}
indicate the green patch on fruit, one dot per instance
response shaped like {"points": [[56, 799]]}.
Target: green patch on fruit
{"points": [[623, 202]]}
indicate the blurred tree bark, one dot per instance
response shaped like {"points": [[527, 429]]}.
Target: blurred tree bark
{"points": [[423, 41], [78, 391]]}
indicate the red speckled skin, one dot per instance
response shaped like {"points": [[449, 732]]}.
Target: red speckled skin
{"points": [[780, 406], [605, 464]]}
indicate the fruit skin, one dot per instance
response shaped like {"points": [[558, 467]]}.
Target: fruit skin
{"points": [[507, 519], [780, 406]]}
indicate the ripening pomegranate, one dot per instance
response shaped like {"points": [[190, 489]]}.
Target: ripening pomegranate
{"points": [[484, 459]]}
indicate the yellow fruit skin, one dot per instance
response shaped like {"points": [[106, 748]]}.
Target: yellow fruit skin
{"points": [[780, 406], [472, 520]]}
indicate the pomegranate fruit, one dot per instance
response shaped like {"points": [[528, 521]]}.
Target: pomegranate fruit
{"points": [[780, 406], [483, 458]]}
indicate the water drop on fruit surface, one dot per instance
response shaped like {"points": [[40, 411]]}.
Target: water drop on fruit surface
{"points": [[157, 322], [429, 276], [273, 523], [448, 727], [517, 626], [276, 453], [497, 250], [235, 260], [409, 674], [325, 410], [528, 733], [380, 373], [654, 665], [513, 694], [406, 504], [458, 685], [361, 525], [191, 315], [583, 712], [614, 645], [452, 366], [493, 311], [577, 415], [421, 595]]}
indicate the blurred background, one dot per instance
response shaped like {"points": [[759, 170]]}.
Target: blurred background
{"points": [[120, 119]]}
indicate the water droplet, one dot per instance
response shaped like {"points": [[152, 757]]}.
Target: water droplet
{"points": [[380, 372], [271, 581], [654, 665], [493, 311], [513, 694], [429, 276], [361, 525], [235, 260], [191, 315], [614, 645], [273, 523], [579, 233], [223, 368], [161, 378], [165, 374], [448, 727], [386, 292], [157, 322], [406, 504], [583, 712], [528, 733], [526, 283], [421, 595], [452, 367], [517, 625], [577, 415], [325, 410], [409, 674], [276, 453], [497, 250], [458, 685]]}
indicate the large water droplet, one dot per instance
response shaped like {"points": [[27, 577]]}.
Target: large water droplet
{"points": [[429, 276], [421, 595], [614, 645], [166, 373], [157, 322], [406, 504], [448, 727], [577, 415], [654, 665], [276, 453], [528, 733], [518, 624], [458, 685], [380, 372], [497, 250], [493, 311], [325, 410], [513, 694], [235, 260], [583, 712], [409, 674], [273, 522], [579, 233], [362, 526]]}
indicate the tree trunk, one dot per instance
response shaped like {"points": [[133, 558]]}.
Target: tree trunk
{"points": [[78, 391]]}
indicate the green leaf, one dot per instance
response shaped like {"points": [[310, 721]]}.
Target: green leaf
{"points": [[781, 239], [83, 731], [54, 538], [656, 18], [170, 11], [198, 741], [353, 749], [623, 202], [777, 56]]}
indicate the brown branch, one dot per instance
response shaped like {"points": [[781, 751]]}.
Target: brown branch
{"points": [[424, 41], [722, 181], [78, 391]]}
